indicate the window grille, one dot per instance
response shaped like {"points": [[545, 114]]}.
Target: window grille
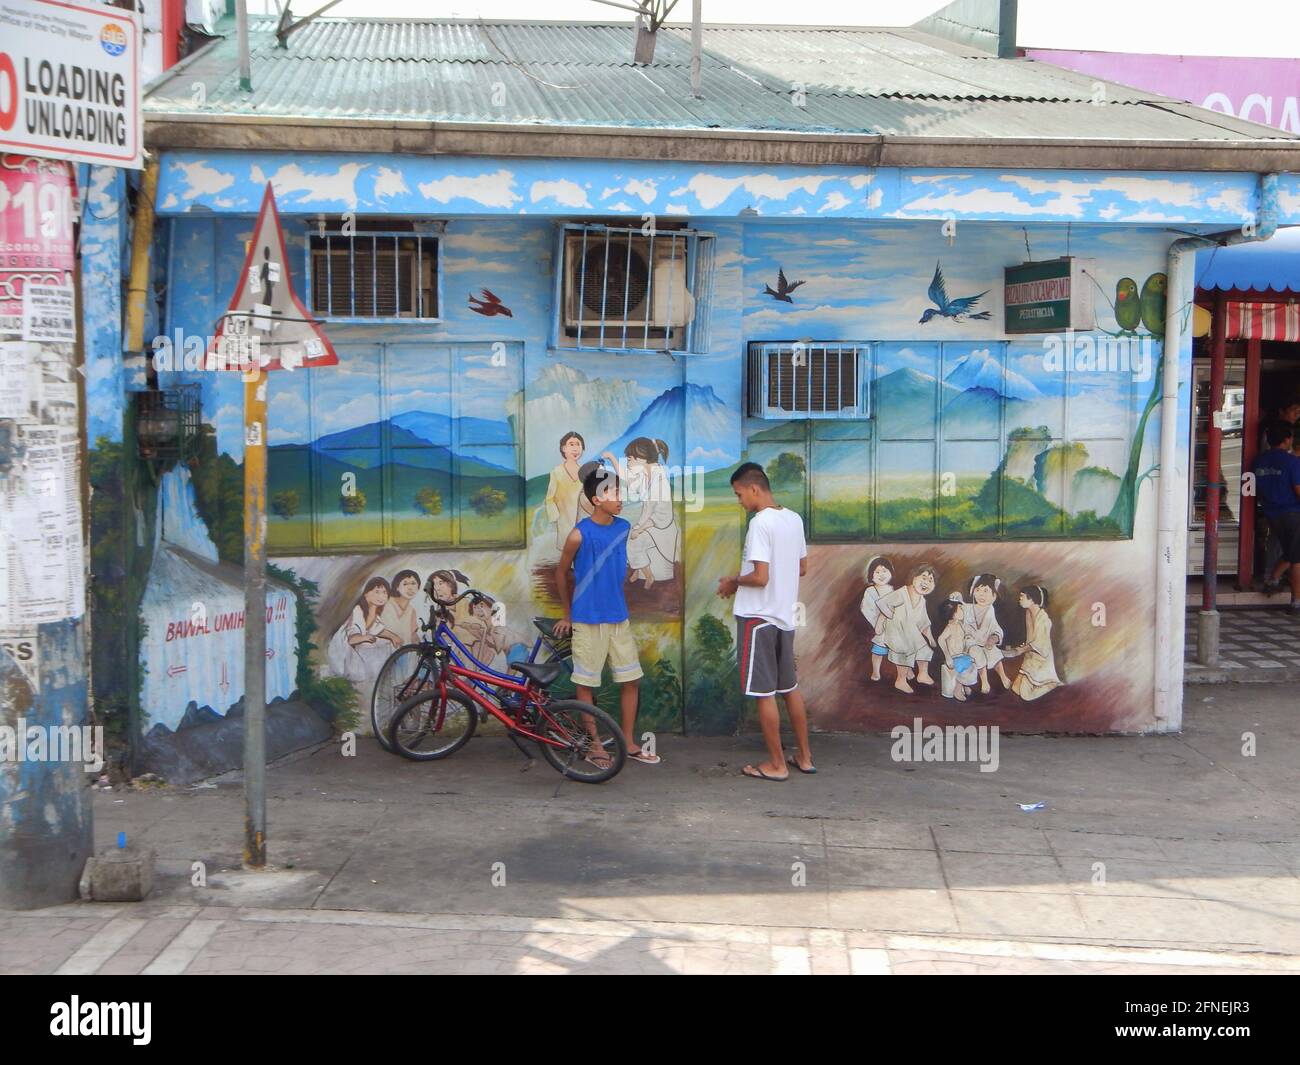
{"points": [[374, 275], [627, 290], [807, 380]]}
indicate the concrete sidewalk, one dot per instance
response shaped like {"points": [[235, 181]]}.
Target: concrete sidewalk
{"points": [[1172, 853]]}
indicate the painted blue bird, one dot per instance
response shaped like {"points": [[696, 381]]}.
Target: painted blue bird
{"points": [[954, 309]]}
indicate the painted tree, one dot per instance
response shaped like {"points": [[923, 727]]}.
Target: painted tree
{"points": [[354, 503], [285, 504], [488, 501], [429, 500], [786, 469]]}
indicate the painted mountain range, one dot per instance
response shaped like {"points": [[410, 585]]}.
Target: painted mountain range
{"points": [[421, 439], [692, 409]]}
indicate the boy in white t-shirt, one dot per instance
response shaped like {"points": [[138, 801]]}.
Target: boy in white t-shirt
{"points": [[766, 590]]}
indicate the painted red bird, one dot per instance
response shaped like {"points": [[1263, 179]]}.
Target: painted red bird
{"points": [[489, 305]]}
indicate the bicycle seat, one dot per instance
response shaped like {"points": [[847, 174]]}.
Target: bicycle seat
{"points": [[543, 674]]}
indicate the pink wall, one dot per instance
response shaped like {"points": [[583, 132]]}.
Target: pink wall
{"points": [[1260, 90]]}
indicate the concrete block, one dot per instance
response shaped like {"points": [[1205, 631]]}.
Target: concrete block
{"points": [[118, 874]]}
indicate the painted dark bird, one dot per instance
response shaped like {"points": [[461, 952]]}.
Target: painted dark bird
{"points": [[489, 305], [783, 288], [946, 308], [1153, 303], [1128, 308]]}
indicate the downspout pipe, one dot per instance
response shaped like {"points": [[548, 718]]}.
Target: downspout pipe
{"points": [[1171, 536]]}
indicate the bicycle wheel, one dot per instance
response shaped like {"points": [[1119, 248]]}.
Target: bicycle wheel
{"points": [[583, 732], [406, 672], [426, 728]]}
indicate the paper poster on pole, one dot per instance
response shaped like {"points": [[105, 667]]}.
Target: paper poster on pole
{"points": [[49, 313], [36, 211]]}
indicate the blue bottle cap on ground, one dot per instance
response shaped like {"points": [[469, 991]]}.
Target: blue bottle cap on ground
{"points": [[121, 841]]}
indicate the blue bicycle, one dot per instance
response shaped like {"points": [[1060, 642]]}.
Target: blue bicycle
{"points": [[413, 667]]}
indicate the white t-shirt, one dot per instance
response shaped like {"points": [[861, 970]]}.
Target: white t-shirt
{"points": [[775, 536]]}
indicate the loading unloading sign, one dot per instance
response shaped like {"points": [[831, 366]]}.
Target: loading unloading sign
{"points": [[70, 82]]}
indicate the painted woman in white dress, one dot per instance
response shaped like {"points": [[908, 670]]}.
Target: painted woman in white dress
{"points": [[906, 629], [1037, 674], [655, 542], [983, 630], [880, 582], [565, 503], [362, 644]]}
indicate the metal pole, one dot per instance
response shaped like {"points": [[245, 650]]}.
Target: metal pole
{"points": [[697, 44], [255, 383], [245, 65], [1207, 643]]}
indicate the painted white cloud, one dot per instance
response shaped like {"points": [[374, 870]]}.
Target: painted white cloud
{"points": [[496, 189], [859, 181], [976, 201], [875, 198], [389, 183], [293, 180], [835, 201], [204, 180], [713, 189], [646, 190], [621, 206], [677, 208], [836, 242], [1233, 201], [562, 191]]}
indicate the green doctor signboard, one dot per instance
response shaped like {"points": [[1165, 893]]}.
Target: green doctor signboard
{"points": [[1047, 297]]}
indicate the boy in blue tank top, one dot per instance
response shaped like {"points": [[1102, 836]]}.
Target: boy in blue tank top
{"points": [[595, 610]]}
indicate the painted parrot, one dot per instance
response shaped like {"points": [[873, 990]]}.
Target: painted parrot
{"points": [[1153, 303], [1128, 311]]}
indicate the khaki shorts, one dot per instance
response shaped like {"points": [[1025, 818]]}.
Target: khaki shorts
{"points": [[593, 645]]}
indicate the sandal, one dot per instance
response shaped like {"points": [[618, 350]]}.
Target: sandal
{"points": [[758, 774], [794, 761], [645, 759]]}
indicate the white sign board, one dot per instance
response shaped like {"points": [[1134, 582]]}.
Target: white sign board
{"points": [[70, 82]]}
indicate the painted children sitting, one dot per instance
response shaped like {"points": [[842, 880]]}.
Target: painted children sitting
{"points": [[906, 630], [983, 631], [880, 582], [957, 672]]}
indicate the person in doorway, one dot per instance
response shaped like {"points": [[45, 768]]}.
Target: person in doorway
{"points": [[595, 609], [1277, 488], [766, 591]]}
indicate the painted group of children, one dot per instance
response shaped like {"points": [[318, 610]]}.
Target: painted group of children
{"points": [[969, 639], [386, 617]]}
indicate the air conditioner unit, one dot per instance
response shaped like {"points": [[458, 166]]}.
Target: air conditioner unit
{"points": [[627, 288], [806, 380]]}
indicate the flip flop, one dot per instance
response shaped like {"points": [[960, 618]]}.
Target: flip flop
{"points": [[794, 761], [646, 759], [758, 774]]}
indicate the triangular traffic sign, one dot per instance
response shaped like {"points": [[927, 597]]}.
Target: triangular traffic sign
{"points": [[266, 326]]}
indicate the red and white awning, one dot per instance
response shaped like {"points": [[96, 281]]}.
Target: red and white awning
{"points": [[1263, 321]]}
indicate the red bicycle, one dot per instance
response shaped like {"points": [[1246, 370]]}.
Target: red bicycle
{"points": [[580, 740]]}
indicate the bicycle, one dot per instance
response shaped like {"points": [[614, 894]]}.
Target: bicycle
{"points": [[580, 741], [407, 671]]}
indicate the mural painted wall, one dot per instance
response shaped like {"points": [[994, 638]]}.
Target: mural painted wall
{"points": [[981, 545], [453, 447]]}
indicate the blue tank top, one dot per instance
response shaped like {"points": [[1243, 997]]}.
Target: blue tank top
{"points": [[599, 570]]}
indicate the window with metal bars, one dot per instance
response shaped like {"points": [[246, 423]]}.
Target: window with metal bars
{"points": [[808, 380], [624, 289], [373, 276]]}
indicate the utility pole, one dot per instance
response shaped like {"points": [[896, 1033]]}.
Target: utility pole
{"points": [[697, 45], [255, 385], [245, 64]]}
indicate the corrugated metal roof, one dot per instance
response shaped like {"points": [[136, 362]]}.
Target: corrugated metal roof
{"points": [[862, 81]]}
